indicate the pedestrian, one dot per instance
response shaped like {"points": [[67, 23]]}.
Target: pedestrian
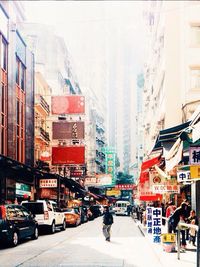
{"points": [[107, 223], [169, 211], [179, 215], [192, 219], [188, 210]]}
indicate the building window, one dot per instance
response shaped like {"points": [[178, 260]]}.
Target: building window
{"points": [[195, 78], [3, 95], [20, 110], [195, 35]]}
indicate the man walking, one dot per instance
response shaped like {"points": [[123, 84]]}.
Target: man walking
{"points": [[107, 223]]}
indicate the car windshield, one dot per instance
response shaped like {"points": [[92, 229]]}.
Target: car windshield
{"points": [[34, 208]]}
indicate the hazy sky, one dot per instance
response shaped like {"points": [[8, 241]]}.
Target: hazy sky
{"points": [[91, 29]]}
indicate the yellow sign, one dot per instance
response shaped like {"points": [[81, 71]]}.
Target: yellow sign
{"points": [[113, 192], [168, 238], [195, 171]]}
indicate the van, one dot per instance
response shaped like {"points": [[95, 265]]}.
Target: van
{"points": [[47, 214], [121, 207]]}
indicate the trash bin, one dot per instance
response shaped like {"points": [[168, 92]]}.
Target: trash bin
{"points": [[168, 242]]}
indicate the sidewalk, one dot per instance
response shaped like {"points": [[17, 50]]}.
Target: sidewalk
{"points": [[187, 258]]}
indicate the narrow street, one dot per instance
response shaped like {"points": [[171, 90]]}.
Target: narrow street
{"points": [[85, 246]]}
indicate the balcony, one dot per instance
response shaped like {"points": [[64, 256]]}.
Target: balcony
{"points": [[41, 134], [41, 105]]}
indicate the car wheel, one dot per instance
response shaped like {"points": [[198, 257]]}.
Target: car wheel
{"points": [[35, 234], [15, 239], [53, 228], [63, 226]]}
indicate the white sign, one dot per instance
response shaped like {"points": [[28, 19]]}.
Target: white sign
{"points": [[194, 155], [149, 220], [183, 176], [48, 183], [161, 189], [156, 224]]}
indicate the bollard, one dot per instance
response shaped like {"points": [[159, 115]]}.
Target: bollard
{"points": [[198, 247]]}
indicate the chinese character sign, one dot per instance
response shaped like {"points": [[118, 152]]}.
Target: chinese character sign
{"points": [[149, 220], [110, 162], [156, 224], [183, 176], [194, 155]]}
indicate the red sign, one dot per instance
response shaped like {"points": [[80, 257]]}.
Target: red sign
{"points": [[68, 155], [68, 130], [73, 104], [125, 186]]}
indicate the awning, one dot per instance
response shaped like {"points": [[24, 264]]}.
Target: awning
{"points": [[155, 197], [149, 163], [170, 134], [174, 156]]}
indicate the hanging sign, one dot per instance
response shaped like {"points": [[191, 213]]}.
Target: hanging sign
{"points": [[183, 176], [156, 224]]}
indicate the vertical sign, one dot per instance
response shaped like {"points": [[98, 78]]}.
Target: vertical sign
{"points": [[157, 224], [149, 220], [110, 162]]}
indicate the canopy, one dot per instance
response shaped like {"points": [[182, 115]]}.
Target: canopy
{"points": [[149, 163]]}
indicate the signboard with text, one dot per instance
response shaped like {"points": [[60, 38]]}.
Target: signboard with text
{"points": [[71, 104], [194, 155], [68, 155], [48, 183], [68, 130]]}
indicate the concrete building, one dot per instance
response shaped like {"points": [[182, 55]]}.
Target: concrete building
{"points": [[171, 90]]}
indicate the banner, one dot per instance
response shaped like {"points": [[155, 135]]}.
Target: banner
{"points": [[72, 104], [68, 155], [174, 156], [68, 130], [195, 172]]}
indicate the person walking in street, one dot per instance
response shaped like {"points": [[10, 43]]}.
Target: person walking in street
{"points": [[107, 223]]}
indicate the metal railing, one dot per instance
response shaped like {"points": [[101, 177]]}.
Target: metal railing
{"points": [[187, 226]]}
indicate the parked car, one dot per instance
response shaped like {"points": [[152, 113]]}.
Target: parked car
{"points": [[47, 213], [16, 223], [72, 216]]}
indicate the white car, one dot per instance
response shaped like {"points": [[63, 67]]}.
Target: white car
{"points": [[47, 214], [121, 207]]}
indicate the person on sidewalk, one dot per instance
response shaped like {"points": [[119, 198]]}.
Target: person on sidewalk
{"points": [[169, 211], [179, 215], [107, 223], [192, 219]]}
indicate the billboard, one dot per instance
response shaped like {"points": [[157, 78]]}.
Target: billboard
{"points": [[68, 130], [68, 155], [72, 104]]}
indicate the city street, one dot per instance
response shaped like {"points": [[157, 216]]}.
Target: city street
{"points": [[85, 246]]}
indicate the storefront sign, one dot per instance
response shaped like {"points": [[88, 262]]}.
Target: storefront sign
{"points": [[23, 189], [45, 156], [168, 238], [156, 224], [194, 155], [48, 183], [183, 176], [195, 172], [113, 192], [149, 220], [125, 186], [161, 189]]}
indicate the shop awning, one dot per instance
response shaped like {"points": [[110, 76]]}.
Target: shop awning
{"points": [[170, 134], [12, 168], [149, 163], [156, 197]]}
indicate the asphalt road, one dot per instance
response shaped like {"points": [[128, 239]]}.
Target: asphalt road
{"points": [[85, 246]]}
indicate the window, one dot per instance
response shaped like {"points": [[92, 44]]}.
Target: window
{"points": [[195, 78], [20, 110], [4, 94], [195, 34]]}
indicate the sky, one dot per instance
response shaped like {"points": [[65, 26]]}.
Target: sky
{"points": [[91, 29]]}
